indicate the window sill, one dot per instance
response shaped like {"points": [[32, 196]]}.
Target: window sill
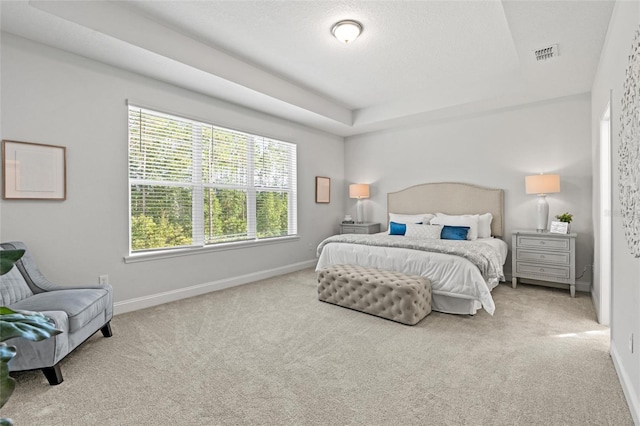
{"points": [[165, 254]]}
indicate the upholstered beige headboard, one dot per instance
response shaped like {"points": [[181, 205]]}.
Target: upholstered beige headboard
{"points": [[450, 198]]}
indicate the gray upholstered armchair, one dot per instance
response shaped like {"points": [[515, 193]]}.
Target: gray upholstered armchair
{"points": [[78, 311]]}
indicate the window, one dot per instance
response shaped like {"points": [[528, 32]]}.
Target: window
{"points": [[193, 184]]}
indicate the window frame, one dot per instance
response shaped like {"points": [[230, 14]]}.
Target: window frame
{"points": [[199, 186]]}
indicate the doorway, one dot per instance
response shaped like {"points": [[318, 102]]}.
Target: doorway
{"points": [[605, 217]]}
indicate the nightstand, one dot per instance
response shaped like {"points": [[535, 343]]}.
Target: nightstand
{"points": [[544, 256], [359, 228]]}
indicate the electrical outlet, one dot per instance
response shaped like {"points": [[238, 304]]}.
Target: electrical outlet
{"points": [[631, 343], [103, 279]]}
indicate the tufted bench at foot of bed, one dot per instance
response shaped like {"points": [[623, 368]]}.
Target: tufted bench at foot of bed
{"points": [[387, 294]]}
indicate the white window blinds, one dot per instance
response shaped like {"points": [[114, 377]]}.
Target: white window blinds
{"points": [[193, 183]]}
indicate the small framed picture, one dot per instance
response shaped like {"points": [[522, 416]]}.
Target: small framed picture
{"points": [[323, 189], [33, 171], [559, 227]]}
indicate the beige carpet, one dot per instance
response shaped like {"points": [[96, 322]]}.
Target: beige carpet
{"points": [[269, 353]]}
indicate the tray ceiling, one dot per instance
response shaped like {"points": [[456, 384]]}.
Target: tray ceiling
{"points": [[415, 62]]}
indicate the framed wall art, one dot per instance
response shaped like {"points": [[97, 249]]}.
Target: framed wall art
{"points": [[629, 164], [33, 171], [323, 189]]}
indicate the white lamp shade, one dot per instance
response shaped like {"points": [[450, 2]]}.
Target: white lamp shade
{"points": [[346, 31], [542, 184], [359, 190]]}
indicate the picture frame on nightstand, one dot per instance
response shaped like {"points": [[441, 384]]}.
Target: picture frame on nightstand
{"points": [[559, 228]]}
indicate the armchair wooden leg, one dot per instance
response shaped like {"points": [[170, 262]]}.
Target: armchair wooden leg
{"points": [[53, 374], [106, 330]]}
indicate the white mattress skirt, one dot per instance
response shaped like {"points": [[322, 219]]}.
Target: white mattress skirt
{"points": [[454, 305]]}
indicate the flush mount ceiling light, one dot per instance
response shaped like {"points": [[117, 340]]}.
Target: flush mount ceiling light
{"points": [[346, 31]]}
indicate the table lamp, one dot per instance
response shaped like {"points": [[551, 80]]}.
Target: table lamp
{"points": [[359, 191], [542, 185]]}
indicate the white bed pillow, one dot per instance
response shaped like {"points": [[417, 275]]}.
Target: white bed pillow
{"points": [[484, 225], [470, 220], [429, 232], [410, 218]]}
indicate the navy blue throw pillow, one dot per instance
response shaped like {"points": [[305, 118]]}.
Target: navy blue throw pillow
{"points": [[454, 232], [397, 228]]}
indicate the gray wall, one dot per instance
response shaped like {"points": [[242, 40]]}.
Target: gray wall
{"points": [[495, 150], [52, 97], [625, 283]]}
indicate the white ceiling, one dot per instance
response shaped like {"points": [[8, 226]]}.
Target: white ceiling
{"points": [[415, 62]]}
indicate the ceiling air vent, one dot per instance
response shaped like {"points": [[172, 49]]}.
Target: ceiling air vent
{"points": [[546, 52]]}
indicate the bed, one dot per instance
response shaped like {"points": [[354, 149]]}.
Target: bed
{"points": [[462, 273]]}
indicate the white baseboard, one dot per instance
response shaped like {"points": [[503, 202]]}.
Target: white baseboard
{"points": [[583, 286], [196, 290], [632, 398]]}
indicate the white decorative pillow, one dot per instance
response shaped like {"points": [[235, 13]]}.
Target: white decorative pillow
{"points": [[410, 218], [484, 225], [470, 220], [430, 232]]}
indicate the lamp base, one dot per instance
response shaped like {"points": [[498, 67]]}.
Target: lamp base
{"points": [[542, 213], [359, 214]]}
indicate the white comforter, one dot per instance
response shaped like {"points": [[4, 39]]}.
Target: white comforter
{"points": [[449, 275]]}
